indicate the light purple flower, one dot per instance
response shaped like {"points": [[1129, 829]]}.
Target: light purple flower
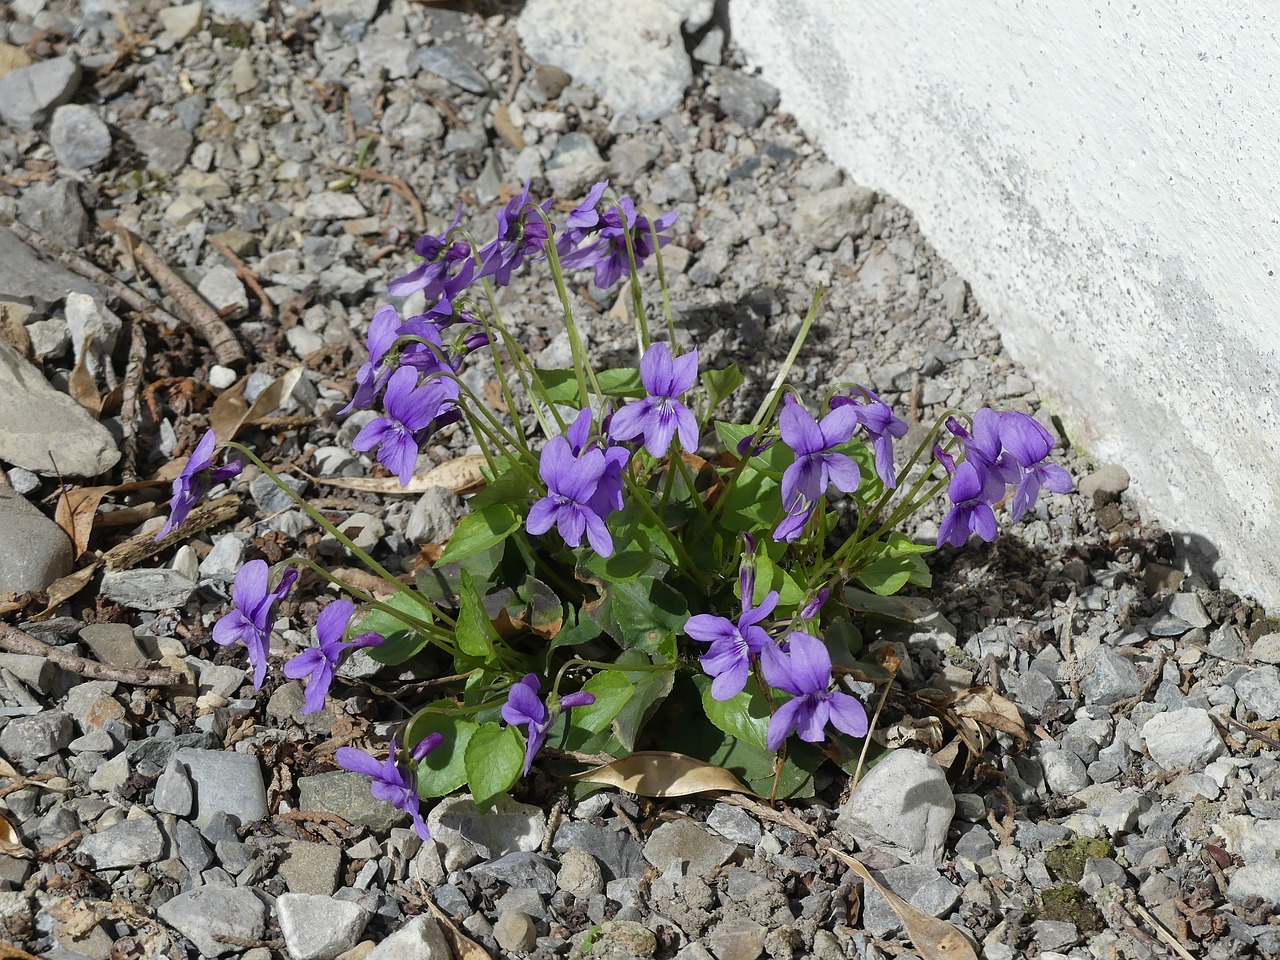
{"points": [[598, 238], [570, 503], [249, 620], [524, 708], [608, 495], [519, 234], [733, 645], [661, 415], [197, 476], [806, 675], [882, 426], [392, 783], [447, 267], [319, 663], [372, 376], [1029, 443], [817, 464], [411, 408], [971, 510]]}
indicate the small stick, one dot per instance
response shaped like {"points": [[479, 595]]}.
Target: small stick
{"points": [[129, 403], [1245, 728], [398, 184], [124, 555], [90, 271], [1162, 934], [248, 276], [226, 348], [15, 641]]}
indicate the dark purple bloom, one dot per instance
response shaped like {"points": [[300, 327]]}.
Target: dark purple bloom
{"points": [[661, 415], [411, 408], [372, 375], [319, 663], [806, 675], [793, 524], [814, 606], [608, 495], [518, 236], [1029, 443], [817, 463], [598, 238], [197, 476], [572, 485], [249, 620], [392, 783], [446, 267], [882, 426], [733, 646], [524, 708], [971, 510]]}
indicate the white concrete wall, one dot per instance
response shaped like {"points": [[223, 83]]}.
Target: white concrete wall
{"points": [[1107, 176]]}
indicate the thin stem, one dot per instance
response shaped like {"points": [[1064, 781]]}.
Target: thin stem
{"points": [[866, 741], [775, 391]]}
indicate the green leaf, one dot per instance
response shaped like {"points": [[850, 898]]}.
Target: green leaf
{"points": [[720, 384], [494, 760], [474, 631], [480, 530], [652, 687], [402, 641], [630, 559], [639, 613], [745, 716], [508, 486], [771, 576], [612, 690], [443, 770], [562, 385], [891, 566]]}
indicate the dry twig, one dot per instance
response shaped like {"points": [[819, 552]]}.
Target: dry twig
{"points": [[124, 555], [226, 348], [398, 184], [246, 275], [129, 403], [90, 271], [15, 641]]}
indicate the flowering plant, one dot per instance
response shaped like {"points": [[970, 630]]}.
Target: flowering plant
{"points": [[667, 577]]}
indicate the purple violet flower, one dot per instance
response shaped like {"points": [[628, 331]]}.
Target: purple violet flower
{"points": [[882, 426], [971, 510], [817, 463], [572, 485], [249, 620], [372, 376], [806, 675], [607, 253], [411, 408], [1028, 443], [608, 495], [661, 415], [393, 783], [518, 236], [319, 663], [446, 267], [197, 476], [733, 646], [524, 708]]}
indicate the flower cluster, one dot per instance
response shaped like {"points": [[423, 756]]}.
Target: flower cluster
{"points": [[1002, 450]]}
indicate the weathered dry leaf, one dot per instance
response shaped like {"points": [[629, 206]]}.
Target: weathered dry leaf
{"points": [[932, 938], [63, 589], [75, 918], [231, 411], [82, 388], [983, 705], [506, 129], [77, 509], [10, 843], [461, 475], [660, 773], [13, 953], [926, 731], [462, 946], [13, 328]]}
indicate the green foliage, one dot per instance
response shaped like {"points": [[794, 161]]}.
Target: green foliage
{"points": [[494, 760]]}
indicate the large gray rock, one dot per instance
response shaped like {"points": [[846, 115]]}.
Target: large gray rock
{"points": [[824, 219], [34, 551], [29, 94], [923, 887], [165, 148], [1259, 690], [1183, 739], [147, 589], [229, 911], [902, 804], [319, 928], [688, 842], [1261, 880], [347, 794], [632, 54], [467, 834], [45, 430], [419, 939], [53, 209], [224, 782], [25, 278], [1112, 679], [36, 736], [129, 843], [79, 137]]}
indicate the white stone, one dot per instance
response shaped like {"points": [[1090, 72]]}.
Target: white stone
{"points": [[183, 20], [330, 205], [902, 804], [225, 293], [1183, 739], [419, 939], [319, 928], [1045, 144], [221, 377]]}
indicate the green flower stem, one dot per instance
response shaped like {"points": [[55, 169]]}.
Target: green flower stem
{"points": [[775, 392], [602, 665], [507, 397], [687, 475], [643, 339], [662, 278], [523, 367], [341, 537], [642, 498]]}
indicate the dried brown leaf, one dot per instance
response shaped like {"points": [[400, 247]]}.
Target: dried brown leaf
{"points": [[10, 843], [230, 412], [461, 475], [932, 938], [462, 946], [63, 589], [660, 773], [983, 705], [82, 388], [77, 509]]}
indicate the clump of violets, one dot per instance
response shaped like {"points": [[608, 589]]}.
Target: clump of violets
{"points": [[195, 478], [611, 569]]}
